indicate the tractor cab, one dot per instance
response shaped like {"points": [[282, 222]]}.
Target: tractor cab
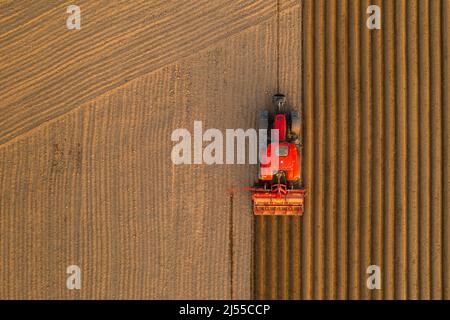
{"points": [[285, 162]]}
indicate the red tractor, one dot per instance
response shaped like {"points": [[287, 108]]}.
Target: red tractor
{"points": [[279, 190]]}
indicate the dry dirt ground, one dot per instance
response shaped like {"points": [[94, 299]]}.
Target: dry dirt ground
{"points": [[85, 170], [85, 127]]}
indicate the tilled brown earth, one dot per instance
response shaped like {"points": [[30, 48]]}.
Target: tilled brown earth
{"points": [[376, 158], [85, 165]]}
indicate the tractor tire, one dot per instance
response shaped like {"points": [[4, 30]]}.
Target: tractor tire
{"points": [[264, 120], [295, 123], [263, 124]]}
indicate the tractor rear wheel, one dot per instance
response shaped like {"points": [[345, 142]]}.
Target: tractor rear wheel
{"points": [[295, 123], [263, 124], [264, 120]]}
